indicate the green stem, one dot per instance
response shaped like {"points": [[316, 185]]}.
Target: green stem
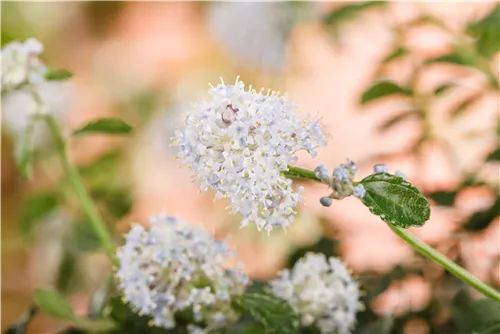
{"points": [[297, 173], [418, 245], [72, 173], [442, 260]]}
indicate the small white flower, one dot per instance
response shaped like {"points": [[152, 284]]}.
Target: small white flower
{"points": [[322, 292], [239, 143], [380, 168], [173, 267], [321, 172], [359, 191], [21, 65]]}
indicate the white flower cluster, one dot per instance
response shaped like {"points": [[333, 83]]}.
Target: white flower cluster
{"points": [[341, 182], [21, 65], [174, 267], [322, 292], [239, 143]]}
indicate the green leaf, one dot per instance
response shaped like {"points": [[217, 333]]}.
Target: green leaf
{"points": [[478, 315], [487, 33], [464, 105], [129, 321], [444, 198], [275, 314], [381, 326], [482, 219], [397, 53], [54, 304], [395, 200], [105, 126], [23, 151], [456, 57], [56, 75], [350, 11], [34, 209], [494, 155], [383, 89], [395, 120]]}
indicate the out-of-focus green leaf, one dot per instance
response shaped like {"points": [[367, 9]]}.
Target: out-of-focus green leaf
{"points": [[67, 277], [478, 315], [57, 75], [395, 200], [107, 161], [34, 209], [494, 155], [82, 238], [110, 126], [397, 53], [444, 198], [54, 304], [459, 58], [275, 314], [443, 88], [23, 150], [464, 105], [382, 89], [482, 219], [487, 33], [118, 201], [381, 326], [130, 322], [396, 120], [350, 11]]}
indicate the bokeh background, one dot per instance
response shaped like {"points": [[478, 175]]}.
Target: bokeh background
{"points": [[146, 61]]}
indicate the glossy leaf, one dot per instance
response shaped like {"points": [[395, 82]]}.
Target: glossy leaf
{"points": [[382, 89], [395, 200], [275, 314], [105, 126]]}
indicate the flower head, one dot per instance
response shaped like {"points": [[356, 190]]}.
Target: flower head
{"points": [[174, 267], [21, 65], [322, 292], [239, 143]]}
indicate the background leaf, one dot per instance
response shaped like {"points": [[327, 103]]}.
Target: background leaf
{"points": [[56, 75], [350, 11], [275, 314], [383, 89], [54, 304], [494, 155], [476, 315], [487, 33], [395, 200], [35, 208], [23, 151], [105, 126]]}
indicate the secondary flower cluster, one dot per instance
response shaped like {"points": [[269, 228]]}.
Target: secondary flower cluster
{"points": [[341, 182], [322, 292], [239, 142], [21, 65], [174, 267]]}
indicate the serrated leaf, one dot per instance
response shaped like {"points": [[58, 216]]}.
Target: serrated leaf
{"points": [[54, 304], [34, 209], [275, 314], [395, 120], [494, 155], [395, 200], [382, 89], [105, 126], [397, 53], [464, 105], [487, 33], [57, 75]]}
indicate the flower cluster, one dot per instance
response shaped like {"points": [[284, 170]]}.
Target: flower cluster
{"points": [[322, 292], [174, 267], [21, 65], [341, 182], [239, 143]]}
